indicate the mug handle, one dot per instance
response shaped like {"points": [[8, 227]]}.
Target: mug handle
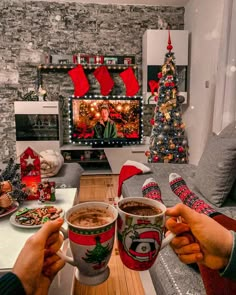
{"points": [[167, 240], [170, 237], [61, 253]]}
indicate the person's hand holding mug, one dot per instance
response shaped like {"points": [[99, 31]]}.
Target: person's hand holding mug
{"points": [[38, 263], [91, 234], [199, 238]]}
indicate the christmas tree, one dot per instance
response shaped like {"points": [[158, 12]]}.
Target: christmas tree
{"points": [[168, 142], [99, 255]]}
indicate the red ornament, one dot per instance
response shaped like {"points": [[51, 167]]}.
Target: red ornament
{"points": [[152, 121], [156, 98], [169, 46], [155, 159], [159, 75], [147, 153], [181, 149]]}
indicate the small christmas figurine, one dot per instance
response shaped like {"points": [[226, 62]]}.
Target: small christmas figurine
{"points": [[46, 191], [42, 93]]}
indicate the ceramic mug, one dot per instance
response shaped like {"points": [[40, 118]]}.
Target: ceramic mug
{"points": [[140, 238], [90, 242]]}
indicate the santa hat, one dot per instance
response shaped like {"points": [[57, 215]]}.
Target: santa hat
{"points": [[129, 169]]}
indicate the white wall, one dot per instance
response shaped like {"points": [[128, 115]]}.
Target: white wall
{"points": [[203, 19]]}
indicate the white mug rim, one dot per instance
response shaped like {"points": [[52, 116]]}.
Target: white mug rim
{"points": [[72, 209], [146, 200]]}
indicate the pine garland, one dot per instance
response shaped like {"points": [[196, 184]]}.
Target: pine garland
{"points": [[12, 173]]}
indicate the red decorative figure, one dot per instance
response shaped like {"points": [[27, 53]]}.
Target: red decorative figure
{"points": [[30, 172]]}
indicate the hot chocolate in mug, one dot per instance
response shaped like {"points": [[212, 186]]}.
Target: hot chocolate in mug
{"points": [[91, 233], [140, 231]]}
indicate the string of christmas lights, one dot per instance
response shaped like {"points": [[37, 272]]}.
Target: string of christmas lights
{"points": [[125, 111]]}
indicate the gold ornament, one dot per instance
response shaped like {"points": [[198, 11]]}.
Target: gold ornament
{"points": [[174, 93], [170, 156], [166, 159], [167, 116]]}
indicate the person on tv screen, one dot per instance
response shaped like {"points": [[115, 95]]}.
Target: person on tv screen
{"points": [[105, 127]]}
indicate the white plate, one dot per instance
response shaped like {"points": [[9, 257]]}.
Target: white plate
{"points": [[15, 223], [10, 210]]}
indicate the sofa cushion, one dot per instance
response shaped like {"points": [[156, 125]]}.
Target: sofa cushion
{"points": [[216, 171], [68, 176]]}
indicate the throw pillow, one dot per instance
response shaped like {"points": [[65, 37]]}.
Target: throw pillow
{"points": [[216, 170], [50, 163]]}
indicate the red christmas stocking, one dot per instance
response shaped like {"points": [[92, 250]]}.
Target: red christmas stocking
{"points": [[130, 81], [105, 80], [81, 84]]}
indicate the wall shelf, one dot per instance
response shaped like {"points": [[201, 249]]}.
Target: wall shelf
{"points": [[85, 66]]}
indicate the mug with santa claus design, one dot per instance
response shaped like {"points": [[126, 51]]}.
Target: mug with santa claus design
{"points": [[140, 231]]}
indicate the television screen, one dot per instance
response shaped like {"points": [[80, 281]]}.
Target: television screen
{"points": [[105, 120]]}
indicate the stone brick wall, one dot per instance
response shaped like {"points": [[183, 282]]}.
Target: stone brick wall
{"points": [[29, 30]]}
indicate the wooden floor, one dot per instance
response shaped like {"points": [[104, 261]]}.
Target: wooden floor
{"points": [[122, 281], [98, 188]]}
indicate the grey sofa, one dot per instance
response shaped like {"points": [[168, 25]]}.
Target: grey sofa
{"points": [[213, 180], [69, 176]]}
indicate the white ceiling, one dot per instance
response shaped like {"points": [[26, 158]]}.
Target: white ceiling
{"points": [[128, 2]]}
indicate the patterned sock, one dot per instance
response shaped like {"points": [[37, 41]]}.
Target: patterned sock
{"points": [[151, 190], [180, 188]]}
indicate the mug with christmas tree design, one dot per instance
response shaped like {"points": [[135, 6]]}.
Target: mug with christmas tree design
{"points": [[91, 233]]}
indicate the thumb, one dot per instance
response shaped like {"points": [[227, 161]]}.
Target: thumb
{"points": [[49, 228], [184, 211]]}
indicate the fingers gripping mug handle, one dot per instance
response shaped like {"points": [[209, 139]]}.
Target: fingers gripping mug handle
{"points": [[167, 240], [61, 253], [170, 237]]}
